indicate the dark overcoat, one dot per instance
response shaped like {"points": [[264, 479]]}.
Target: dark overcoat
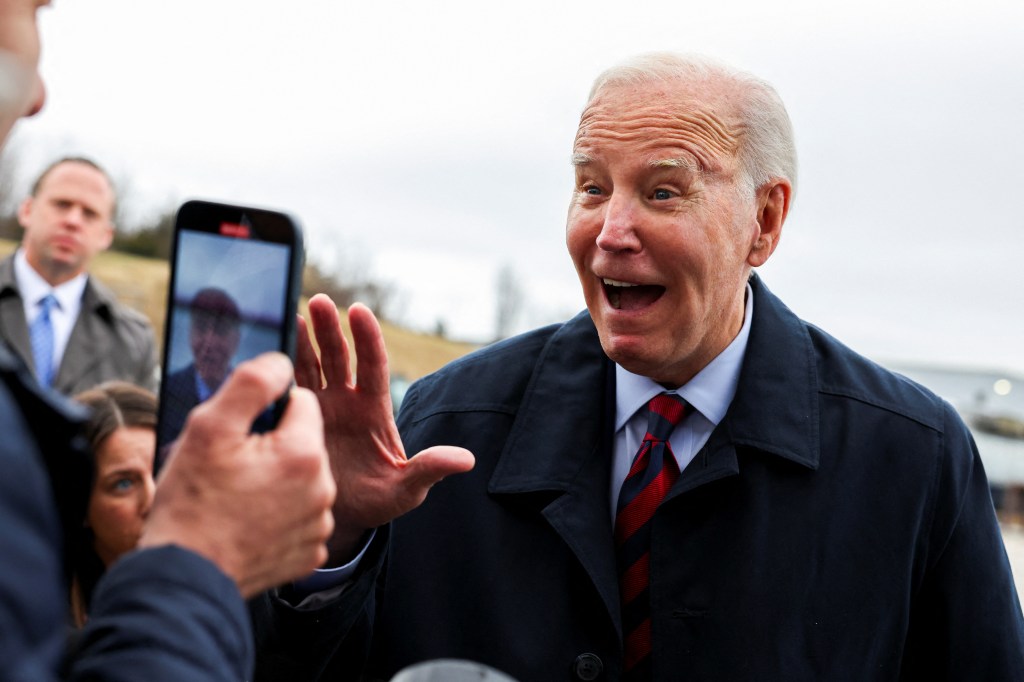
{"points": [[836, 526]]}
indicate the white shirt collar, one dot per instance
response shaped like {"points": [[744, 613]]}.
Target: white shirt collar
{"points": [[33, 287], [710, 391]]}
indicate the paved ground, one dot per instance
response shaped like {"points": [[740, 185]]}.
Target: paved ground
{"points": [[1013, 536]]}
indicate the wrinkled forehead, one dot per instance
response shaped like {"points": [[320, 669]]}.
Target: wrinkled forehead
{"points": [[690, 120]]}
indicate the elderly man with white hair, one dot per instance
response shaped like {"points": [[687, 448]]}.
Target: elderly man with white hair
{"points": [[684, 482]]}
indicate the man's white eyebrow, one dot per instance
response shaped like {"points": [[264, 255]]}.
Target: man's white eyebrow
{"points": [[580, 159], [678, 162]]}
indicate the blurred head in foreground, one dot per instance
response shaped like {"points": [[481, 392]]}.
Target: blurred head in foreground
{"points": [[21, 88]]}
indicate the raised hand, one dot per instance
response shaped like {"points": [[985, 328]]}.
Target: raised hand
{"points": [[376, 481], [257, 505]]}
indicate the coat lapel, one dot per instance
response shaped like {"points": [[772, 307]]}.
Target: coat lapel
{"points": [[560, 443], [775, 410], [13, 327], [90, 331], [776, 405]]}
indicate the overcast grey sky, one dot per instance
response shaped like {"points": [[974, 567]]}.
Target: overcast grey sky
{"points": [[432, 140]]}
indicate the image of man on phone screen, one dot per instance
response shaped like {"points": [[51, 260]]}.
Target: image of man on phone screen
{"points": [[214, 336]]}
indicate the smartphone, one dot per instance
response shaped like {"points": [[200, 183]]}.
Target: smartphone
{"points": [[236, 276]]}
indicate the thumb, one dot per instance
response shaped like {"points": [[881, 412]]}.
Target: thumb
{"points": [[250, 388], [431, 465]]}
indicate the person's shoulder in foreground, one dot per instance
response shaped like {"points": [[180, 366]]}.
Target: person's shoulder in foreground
{"points": [[173, 610], [153, 607]]}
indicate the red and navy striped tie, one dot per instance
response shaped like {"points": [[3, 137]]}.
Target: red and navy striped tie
{"points": [[651, 476]]}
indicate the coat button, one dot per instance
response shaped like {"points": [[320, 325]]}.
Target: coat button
{"points": [[587, 667]]}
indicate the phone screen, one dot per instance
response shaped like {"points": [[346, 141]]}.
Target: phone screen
{"points": [[235, 274]]}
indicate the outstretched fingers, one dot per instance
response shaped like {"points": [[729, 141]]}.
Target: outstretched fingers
{"points": [[307, 365], [371, 354], [334, 352]]}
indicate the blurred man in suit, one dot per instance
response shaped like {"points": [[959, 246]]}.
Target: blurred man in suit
{"points": [[59, 319]]}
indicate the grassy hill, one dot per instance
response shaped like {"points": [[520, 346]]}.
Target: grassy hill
{"points": [[142, 284]]}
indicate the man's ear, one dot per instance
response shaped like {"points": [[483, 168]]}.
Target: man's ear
{"points": [[109, 236], [773, 199], [25, 212]]}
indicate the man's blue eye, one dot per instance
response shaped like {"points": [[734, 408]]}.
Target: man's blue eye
{"points": [[592, 190], [123, 484], [662, 194]]}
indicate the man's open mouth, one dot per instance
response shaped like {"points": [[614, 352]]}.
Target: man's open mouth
{"points": [[629, 296]]}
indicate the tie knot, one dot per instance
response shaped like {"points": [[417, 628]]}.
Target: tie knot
{"points": [[665, 411], [47, 303]]}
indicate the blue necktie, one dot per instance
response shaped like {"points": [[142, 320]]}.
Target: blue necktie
{"points": [[41, 332]]}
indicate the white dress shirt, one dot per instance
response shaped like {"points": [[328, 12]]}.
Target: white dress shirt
{"points": [[34, 288], [709, 394]]}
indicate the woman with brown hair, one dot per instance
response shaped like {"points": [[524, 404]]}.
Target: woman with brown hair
{"points": [[122, 434]]}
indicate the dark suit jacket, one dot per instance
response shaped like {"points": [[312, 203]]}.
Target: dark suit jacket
{"points": [[158, 614], [109, 340], [836, 526], [178, 395]]}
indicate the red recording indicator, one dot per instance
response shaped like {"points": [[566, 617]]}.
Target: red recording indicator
{"points": [[234, 230]]}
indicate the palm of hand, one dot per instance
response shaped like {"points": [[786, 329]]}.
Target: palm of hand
{"points": [[376, 481]]}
